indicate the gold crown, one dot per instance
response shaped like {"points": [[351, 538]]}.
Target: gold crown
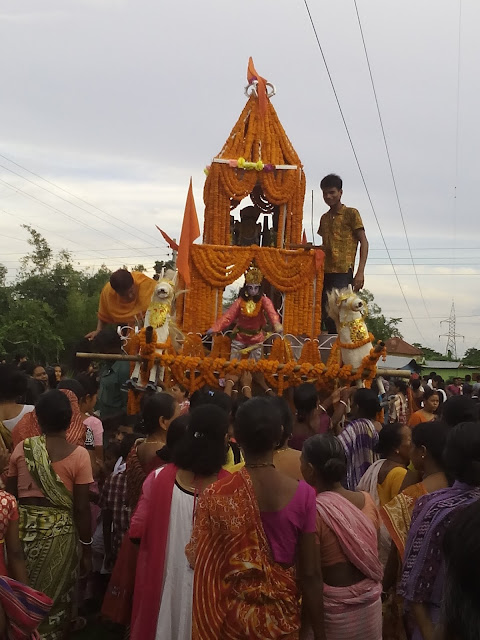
{"points": [[253, 276]]}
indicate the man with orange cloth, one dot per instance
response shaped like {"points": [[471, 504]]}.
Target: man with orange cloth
{"points": [[124, 300]]}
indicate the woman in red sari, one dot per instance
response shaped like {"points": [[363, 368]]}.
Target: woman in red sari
{"points": [[162, 524], [251, 531], [158, 412], [28, 427]]}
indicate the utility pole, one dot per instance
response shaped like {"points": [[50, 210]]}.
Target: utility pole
{"points": [[451, 335], [174, 255]]}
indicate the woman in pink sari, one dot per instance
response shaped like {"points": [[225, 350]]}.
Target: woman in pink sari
{"points": [[347, 524]]}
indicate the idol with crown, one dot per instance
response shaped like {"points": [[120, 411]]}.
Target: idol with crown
{"points": [[249, 315]]}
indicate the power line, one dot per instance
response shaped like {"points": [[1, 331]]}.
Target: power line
{"points": [[70, 194], [388, 153], [17, 218], [358, 164], [62, 213], [2, 235]]}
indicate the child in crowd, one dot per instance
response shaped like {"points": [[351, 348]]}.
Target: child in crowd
{"points": [[116, 426], [180, 393], [114, 505]]}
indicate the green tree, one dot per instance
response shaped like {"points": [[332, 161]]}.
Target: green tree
{"points": [[39, 260], [30, 327], [163, 264], [429, 354], [472, 357], [382, 328], [51, 305], [229, 296]]}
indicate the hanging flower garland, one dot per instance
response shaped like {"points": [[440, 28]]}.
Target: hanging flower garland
{"points": [[255, 146], [280, 369]]}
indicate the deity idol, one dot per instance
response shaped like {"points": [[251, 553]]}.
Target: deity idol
{"points": [[249, 314]]}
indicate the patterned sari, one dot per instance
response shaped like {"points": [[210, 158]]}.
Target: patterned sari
{"points": [[24, 609], [6, 442], [423, 572], [239, 591], [359, 439], [397, 517], [397, 514], [28, 426], [49, 540], [118, 601]]}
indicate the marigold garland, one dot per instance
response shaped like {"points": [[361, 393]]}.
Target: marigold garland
{"points": [[295, 273], [193, 369], [258, 143], [357, 344]]}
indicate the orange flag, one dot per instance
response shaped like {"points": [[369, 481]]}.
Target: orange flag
{"points": [[304, 237], [261, 86], [171, 243], [190, 232]]}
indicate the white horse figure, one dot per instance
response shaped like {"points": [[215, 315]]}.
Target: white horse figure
{"points": [[159, 317], [348, 311]]}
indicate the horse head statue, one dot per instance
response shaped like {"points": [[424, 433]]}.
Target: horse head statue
{"points": [[164, 292], [349, 312], [344, 306], [160, 324]]}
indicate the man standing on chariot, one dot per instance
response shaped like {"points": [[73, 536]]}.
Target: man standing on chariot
{"points": [[342, 230], [249, 314]]}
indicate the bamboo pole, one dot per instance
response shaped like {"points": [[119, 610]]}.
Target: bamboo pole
{"points": [[397, 373], [109, 356]]}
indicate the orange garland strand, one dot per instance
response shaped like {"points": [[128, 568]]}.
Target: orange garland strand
{"points": [[295, 273], [255, 139], [193, 369]]}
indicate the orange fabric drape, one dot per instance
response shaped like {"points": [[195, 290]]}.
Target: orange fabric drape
{"points": [[261, 86], [190, 232]]}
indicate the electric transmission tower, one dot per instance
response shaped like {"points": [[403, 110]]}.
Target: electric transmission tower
{"points": [[451, 335]]}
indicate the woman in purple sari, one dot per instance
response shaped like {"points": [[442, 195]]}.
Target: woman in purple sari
{"points": [[423, 573], [360, 437]]}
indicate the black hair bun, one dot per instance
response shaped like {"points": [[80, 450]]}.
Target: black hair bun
{"points": [[334, 470]]}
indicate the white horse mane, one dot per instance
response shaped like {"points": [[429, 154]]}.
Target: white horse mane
{"points": [[334, 298]]}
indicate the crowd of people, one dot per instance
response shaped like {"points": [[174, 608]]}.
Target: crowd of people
{"points": [[235, 513]]}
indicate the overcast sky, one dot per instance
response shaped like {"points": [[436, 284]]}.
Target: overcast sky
{"points": [[119, 102]]}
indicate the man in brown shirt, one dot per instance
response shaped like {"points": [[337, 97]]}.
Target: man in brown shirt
{"points": [[342, 230]]}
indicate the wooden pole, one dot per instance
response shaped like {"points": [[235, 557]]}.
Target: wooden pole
{"points": [[398, 373], [108, 356]]}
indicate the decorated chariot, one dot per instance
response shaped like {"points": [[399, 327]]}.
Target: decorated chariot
{"points": [[274, 329]]}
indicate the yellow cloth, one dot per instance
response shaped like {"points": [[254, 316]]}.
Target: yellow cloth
{"points": [[339, 241], [113, 310], [230, 465], [397, 514], [390, 487]]}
